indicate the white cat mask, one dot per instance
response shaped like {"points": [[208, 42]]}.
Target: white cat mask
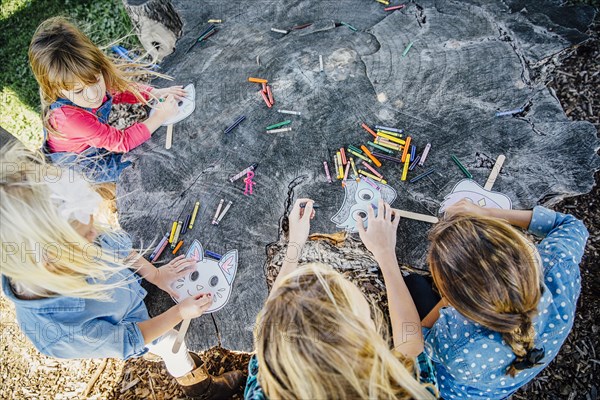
{"points": [[208, 276]]}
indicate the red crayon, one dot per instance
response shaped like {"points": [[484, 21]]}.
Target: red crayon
{"points": [[368, 129], [264, 96], [343, 153], [394, 8], [270, 95]]}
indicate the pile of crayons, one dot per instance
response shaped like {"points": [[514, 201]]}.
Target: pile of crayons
{"points": [[388, 144], [266, 92], [179, 227]]}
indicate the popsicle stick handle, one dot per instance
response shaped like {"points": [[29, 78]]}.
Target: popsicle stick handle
{"points": [[169, 142], [416, 216], [495, 171], [181, 334]]}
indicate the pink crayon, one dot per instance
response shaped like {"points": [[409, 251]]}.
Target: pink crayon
{"points": [[327, 171]]}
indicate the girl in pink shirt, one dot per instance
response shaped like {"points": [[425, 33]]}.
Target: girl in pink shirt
{"points": [[78, 86]]}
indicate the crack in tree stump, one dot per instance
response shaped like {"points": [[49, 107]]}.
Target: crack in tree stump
{"points": [[469, 59]]}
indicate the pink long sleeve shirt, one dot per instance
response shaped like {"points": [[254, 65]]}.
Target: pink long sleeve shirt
{"points": [[82, 130]]}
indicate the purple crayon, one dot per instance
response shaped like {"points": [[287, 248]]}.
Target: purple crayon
{"points": [[387, 128]]}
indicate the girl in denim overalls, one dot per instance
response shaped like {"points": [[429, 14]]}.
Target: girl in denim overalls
{"points": [[78, 86]]}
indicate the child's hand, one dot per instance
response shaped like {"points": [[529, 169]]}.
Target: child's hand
{"points": [[167, 107], [380, 236], [299, 220], [465, 206], [168, 273], [194, 306], [175, 91]]}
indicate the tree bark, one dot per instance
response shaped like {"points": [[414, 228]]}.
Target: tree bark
{"points": [[157, 25]]}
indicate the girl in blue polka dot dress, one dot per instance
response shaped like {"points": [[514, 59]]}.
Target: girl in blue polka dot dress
{"points": [[506, 304]]}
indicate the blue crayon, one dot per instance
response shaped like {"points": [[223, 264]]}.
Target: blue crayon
{"points": [[235, 124], [387, 128], [413, 151], [210, 254], [423, 175], [510, 112], [414, 163]]}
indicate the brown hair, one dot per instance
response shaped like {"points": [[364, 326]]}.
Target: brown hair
{"points": [[490, 273], [313, 342], [60, 55]]}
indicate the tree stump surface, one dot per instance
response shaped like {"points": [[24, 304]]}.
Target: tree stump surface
{"points": [[469, 59]]}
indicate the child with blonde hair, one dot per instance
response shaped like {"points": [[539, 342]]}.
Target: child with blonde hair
{"points": [[317, 336], [506, 304], [78, 86], [72, 281]]}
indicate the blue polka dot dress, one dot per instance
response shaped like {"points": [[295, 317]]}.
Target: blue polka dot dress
{"points": [[471, 361]]}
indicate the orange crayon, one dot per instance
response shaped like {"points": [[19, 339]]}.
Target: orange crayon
{"points": [[406, 148], [366, 127], [258, 80], [371, 156]]}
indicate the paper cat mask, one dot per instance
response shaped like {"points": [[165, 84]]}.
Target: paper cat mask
{"points": [[471, 190], [186, 106], [208, 276], [358, 198]]}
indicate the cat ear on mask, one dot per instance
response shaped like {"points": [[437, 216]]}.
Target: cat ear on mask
{"points": [[196, 251], [228, 264]]}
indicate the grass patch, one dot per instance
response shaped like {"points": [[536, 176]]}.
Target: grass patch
{"points": [[102, 20]]}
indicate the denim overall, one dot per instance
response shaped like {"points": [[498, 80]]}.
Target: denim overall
{"points": [[96, 165]]}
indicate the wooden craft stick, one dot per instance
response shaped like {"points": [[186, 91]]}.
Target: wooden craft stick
{"points": [[419, 217], [169, 137], [181, 334], [495, 171]]}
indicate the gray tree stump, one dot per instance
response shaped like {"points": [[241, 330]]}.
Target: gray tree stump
{"points": [[157, 25]]}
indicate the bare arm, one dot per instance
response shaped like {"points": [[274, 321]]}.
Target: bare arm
{"points": [[520, 218], [162, 277]]}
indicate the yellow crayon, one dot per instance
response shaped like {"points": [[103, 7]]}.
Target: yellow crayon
{"points": [[340, 171], [215, 21], [406, 165], [374, 177], [354, 169], [391, 138], [360, 156], [173, 229], [194, 214], [395, 134], [385, 2]]}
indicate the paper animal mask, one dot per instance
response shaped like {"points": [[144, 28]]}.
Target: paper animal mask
{"points": [[208, 276], [186, 106], [472, 191], [358, 198]]}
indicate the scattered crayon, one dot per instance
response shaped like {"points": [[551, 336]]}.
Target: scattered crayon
{"points": [[212, 255], [315, 206], [176, 249], [289, 112], [413, 164], [340, 165], [424, 155], [194, 214], [354, 169], [356, 149], [343, 153], [394, 8], [371, 156], [370, 182], [423, 175], [264, 87], [160, 251], [186, 223], [369, 175], [336, 165], [201, 37], [387, 128], [209, 34], [373, 170], [360, 156], [389, 145], [227, 207], [240, 174], [327, 171], [280, 130], [346, 174], [214, 221], [394, 134], [386, 157], [385, 2], [258, 80], [413, 151], [406, 148], [377, 146], [462, 168], [279, 124], [266, 99], [270, 95], [215, 21], [406, 165], [321, 63], [391, 138], [177, 233], [353, 29], [173, 229], [279, 31], [297, 27], [160, 244], [407, 49], [510, 112], [235, 124], [366, 128]]}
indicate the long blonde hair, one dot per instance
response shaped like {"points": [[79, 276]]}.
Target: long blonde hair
{"points": [[313, 343], [61, 55], [40, 249], [491, 274]]}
